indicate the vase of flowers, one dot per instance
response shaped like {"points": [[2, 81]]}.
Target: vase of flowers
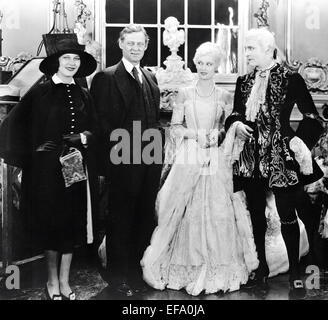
{"points": [[82, 16]]}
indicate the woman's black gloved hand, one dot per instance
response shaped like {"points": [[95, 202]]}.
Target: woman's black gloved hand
{"points": [[72, 140]]}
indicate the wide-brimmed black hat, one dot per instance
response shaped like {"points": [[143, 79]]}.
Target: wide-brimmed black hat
{"points": [[57, 47]]}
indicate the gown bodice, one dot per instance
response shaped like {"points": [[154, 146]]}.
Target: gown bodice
{"points": [[202, 113]]}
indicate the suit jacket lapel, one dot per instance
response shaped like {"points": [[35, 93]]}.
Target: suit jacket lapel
{"points": [[123, 84], [153, 85]]}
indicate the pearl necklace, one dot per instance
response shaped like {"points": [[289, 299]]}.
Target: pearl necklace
{"points": [[205, 96]]}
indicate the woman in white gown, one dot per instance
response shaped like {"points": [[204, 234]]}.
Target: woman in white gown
{"points": [[203, 241]]}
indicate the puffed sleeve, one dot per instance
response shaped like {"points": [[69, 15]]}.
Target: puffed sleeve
{"points": [[178, 128]]}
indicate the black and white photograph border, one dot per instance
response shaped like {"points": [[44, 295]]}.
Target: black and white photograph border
{"points": [[169, 59]]}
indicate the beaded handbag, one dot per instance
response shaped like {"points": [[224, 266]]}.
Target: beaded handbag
{"points": [[72, 167]]}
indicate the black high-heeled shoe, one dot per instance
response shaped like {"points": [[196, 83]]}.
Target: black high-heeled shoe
{"points": [[71, 296], [54, 297]]}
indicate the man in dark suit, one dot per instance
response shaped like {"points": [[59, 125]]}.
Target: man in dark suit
{"points": [[127, 99]]}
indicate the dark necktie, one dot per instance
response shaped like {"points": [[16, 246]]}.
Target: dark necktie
{"points": [[136, 75]]}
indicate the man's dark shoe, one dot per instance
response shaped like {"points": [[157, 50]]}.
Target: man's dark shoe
{"points": [[140, 286], [297, 290], [256, 281], [125, 289], [142, 289]]}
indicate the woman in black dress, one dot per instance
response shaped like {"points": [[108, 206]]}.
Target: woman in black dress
{"points": [[50, 118]]}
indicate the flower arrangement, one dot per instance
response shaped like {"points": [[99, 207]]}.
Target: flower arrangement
{"points": [[82, 16], [83, 13]]}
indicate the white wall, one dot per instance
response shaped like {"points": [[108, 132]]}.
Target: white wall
{"points": [[25, 21], [23, 24]]}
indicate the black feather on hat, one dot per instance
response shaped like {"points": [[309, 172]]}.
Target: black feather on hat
{"points": [[57, 46]]}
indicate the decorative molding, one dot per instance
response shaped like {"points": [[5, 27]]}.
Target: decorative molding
{"points": [[293, 65], [315, 74], [262, 14]]}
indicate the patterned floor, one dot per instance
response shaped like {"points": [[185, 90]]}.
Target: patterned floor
{"points": [[88, 284]]}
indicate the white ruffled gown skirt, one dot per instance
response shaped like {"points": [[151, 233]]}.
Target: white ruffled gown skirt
{"points": [[203, 241]]}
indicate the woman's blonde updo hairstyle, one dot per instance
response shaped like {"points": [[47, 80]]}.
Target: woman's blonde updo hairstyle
{"points": [[208, 48]]}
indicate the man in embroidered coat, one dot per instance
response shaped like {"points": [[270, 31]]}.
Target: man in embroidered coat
{"points": [[274, 155]]}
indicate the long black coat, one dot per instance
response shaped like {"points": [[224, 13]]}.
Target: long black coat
{"points": [[54, 214]]}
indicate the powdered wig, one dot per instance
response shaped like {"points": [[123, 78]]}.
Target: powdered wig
{"points": [[264, 38], [208, 48]]}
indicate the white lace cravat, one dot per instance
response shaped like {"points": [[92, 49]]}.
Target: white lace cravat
{"points": [[257, 96], [258, 93]]}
